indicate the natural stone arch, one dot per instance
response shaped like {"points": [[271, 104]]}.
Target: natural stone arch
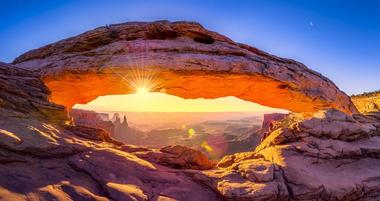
{"points": [[185, 59]]}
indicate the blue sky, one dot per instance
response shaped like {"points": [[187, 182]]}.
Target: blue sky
{"points": [[340, 39]]}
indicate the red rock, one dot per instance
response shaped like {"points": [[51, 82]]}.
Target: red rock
{"points": [[90, 133], [181, 58], [92, 119], [24, 95], [269, 119], [325, 155], [180, 157]]}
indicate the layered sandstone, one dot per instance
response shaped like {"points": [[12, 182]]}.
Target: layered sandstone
{"points": [[179, 58], [92, 119], [24, 95]]}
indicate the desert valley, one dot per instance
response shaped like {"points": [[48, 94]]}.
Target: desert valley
{"points": [[214, 134]]}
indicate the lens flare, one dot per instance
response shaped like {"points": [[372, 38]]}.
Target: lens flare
{"points": [[191, 132], [206, 146]]}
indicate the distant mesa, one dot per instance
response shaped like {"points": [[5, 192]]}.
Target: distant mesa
{"points": [[118, 129]]}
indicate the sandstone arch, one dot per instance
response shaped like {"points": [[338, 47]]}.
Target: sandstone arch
{"points": [[187, 60]]}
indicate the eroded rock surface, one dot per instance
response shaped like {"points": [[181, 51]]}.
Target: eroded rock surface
{"points": [[328, 156], [24, 95], [43, 158], [179, 58], [177, 157]]}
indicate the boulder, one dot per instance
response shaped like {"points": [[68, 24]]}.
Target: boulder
{"points": [[177, 156]]}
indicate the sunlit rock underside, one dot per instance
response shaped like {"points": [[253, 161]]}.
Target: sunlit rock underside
{"points": [[182, 59]]}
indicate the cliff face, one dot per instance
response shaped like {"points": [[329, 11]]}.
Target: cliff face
{"points": [[126, 134], [256, 135], [24, 96], [178, 58], [92, 119], [368, 102], [269, 119]]}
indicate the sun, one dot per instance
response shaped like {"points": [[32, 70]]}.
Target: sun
{"points": [[141, 81], [142, 90]]}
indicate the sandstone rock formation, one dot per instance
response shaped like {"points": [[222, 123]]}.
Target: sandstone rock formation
{"points": [[92, 119], [327, 156], [269, 121], [23, 95], [178, 58], [175, 156], [367, 102], [126, 134], [42, 158]]}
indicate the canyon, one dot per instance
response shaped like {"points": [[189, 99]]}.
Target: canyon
{"points": [[325, 149], [236, 132]]}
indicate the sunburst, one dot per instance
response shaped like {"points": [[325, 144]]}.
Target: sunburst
{"points": [[142, 78]]}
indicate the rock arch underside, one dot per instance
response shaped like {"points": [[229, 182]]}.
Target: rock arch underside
{"points": [[185, 60], [323, 150]]}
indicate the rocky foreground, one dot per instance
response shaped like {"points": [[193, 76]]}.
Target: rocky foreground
{"points": [[328, 155]]}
